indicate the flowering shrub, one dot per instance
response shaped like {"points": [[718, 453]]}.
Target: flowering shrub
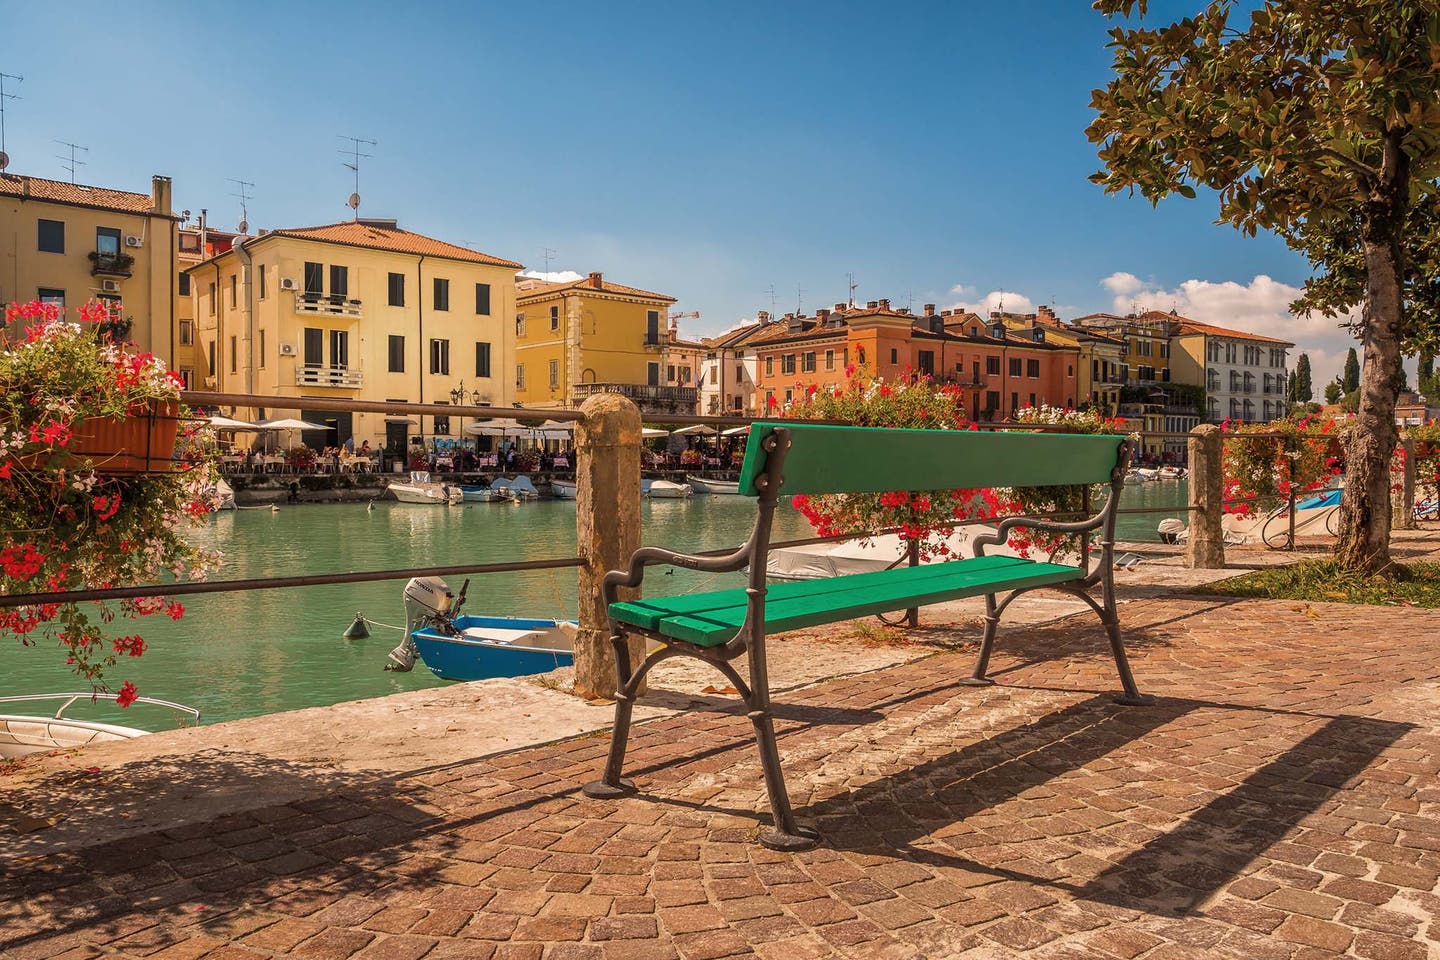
{"points": [[923, 519], [1265, 461], [527, 460], [300, 458], [1042, 501], [65, 524], [1427, 459], [690, 457]]}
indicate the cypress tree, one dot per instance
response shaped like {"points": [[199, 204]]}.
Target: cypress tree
{"points": [[1351, 380]]}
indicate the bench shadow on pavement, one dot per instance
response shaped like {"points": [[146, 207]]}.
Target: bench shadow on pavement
{"points": [[901, 815]]}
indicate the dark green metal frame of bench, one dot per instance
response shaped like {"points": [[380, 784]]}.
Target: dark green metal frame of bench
{"points": [[749, 639]]}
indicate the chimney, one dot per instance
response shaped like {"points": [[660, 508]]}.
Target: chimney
{"points": [[884, 304], [764, 317], [160, 193], [872, 304], [822, 314], [929, 309], [839, 308], [1046, 313], [595, 279]]}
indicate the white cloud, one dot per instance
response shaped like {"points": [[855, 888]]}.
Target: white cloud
{"points": [[554, 276], [1007, 300], [962, 290], [1261, 306]]}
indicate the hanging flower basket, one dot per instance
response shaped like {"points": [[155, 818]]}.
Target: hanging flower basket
{"points": [[142, 442]]}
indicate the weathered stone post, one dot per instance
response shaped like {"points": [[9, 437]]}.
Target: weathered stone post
{"points": [[1402, 505], [607, 528], [1205, 548]]}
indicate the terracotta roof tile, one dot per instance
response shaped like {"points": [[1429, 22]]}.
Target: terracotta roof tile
{"points": [[378, 236], [583, 284], [76, 194], [1195, 327]]}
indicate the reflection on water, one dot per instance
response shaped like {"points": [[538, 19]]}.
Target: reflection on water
{"points": [[242, 654]]}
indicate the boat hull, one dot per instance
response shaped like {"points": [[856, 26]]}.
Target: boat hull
{"points": [[491, 647], [564, 489], [701, 485], [406, 493], [668, 490]]}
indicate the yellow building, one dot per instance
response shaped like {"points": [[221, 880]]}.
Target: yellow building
{"points": [[593, 335], [1100, 369], [1147, 342], [358, 310], [196, 244], [70, 243]]}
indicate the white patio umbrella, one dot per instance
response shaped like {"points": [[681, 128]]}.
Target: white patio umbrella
{"points": [[735, 431], [555, 430], [499, 427], [700, 428], [653, 432], [226, 423], [290, 423]]}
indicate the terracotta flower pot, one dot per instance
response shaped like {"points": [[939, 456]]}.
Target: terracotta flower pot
{"points": [[140, 443]]}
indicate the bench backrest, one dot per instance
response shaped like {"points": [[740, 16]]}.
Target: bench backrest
{"points": [[833, 459]]}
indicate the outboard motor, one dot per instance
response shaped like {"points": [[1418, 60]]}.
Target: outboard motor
{"points": [[428, 601]]}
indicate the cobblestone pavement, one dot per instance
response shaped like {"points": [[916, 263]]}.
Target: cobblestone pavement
{"points": [[1279, 800]]}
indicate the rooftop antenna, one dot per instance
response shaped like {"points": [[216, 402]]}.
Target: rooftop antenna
{"points": [[354, 165], [798, 294], [5, 157], [548, 252], [242, 191], [71, 162], [772, 299], [850, 278], [910, 299]]}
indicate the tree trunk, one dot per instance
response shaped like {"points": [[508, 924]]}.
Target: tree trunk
{"points": [[1365, 509]]}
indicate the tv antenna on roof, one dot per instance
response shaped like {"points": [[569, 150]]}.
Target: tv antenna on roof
{"points": [[548, 253], [354, 165], [5, 157], [772, 300], [71, 162], [242, 192], [850, 279]]}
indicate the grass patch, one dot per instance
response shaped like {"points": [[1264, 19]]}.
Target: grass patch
{"points": [[1323, 581]]}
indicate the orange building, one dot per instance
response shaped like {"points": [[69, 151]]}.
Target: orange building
{"points": [[1000, 370]]}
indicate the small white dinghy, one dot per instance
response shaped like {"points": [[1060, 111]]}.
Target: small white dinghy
{"points": [[421, 489], [701, 485], [22, 734], [668, 489], [564, 489]]}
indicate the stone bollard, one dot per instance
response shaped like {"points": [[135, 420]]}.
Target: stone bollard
{"points": [[607, 527], [1205, 548], [1402, 505]]}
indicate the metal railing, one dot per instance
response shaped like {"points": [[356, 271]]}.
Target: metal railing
{"points": [[314, 375], [330, 305]]}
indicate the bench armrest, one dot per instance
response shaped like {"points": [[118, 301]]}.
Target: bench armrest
{"points": [[658, 556], [1002, 530]]}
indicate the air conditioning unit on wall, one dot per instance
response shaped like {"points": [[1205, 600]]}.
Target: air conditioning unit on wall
{"points": [[133, 241], [110, 286], [287, 349], [286, 283]]}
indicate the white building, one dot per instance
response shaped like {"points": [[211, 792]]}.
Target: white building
{"points": [[1246, 376], [727, 370]]}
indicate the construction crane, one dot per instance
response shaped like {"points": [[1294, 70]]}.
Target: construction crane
{"points": [[693, 315]]}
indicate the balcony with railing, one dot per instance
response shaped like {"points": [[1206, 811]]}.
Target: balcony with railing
{"points": [[645, 396], [109, 263], [314, 375], [657, 341], [327, 305]]}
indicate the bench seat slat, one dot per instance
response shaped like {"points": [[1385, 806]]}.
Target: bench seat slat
{"points": [[844, 598], [648, 612]]}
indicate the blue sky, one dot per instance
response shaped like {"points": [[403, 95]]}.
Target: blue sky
{"points": [[710, 151]]}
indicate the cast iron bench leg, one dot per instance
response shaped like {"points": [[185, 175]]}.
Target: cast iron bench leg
{"points": [[612, 785], [787, 835], [987, 644]]}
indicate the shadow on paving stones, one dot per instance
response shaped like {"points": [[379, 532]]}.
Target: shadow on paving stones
{"points": [[1168, 876]]}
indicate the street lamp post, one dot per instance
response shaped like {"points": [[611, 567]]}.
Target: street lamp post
{"points": [[458, 397]]}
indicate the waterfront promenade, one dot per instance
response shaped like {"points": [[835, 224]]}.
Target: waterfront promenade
{"points": [[1279, 800]]}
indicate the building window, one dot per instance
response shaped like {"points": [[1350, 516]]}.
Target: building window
{"points": [[714, 375], [442, 294], [769, 366], [442, 424], [482, 359], [554, 374], [186, 334], [314, 278], [807, 362], [340, 349], [787, 363], [397, 351], [260, 269], [652, 326], [234, 355], [1014, 368], [670, 373], [440, 357], [212, 299], [314, 351], [339, 281], [554, 318], [234, 287], [652, 372], [210, 357], [992, 367], [894, 355], [519, 324], [925, 361], [519, 376], [684, 375], [482, 299], [262, 349], [1032, 369], [50, 295], [187, 378], [397, 290], [107, 242], [51, 236], [184, 284]]}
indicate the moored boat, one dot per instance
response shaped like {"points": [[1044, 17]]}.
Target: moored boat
{"points": [[463, 647], [1173, 473], [480, 494], [421, 489], [224, 495], [517, 488], [564, 489], [668, 489], [22, 734], [701, 485]]}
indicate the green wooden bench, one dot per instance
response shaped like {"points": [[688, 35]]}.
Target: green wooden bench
{"points": [[722, 625]]}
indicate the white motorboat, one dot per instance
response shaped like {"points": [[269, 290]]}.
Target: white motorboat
{"points": [[1142, 474], [421, 489], [701, 485], [518, 488], [22, 734], [480, 494], [224, 495], [564, 489], [668, 489], [1173, 473]]}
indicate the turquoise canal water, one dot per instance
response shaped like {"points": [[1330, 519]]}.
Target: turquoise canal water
{"points": [[242, 654]]}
